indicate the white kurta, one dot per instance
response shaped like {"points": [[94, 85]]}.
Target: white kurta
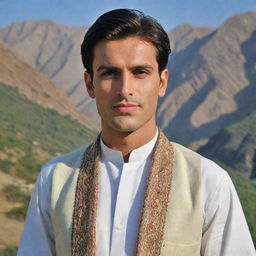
{"points": [[121, 193]]}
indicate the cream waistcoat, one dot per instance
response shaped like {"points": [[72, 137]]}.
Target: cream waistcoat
{"points": [[182, 215]]}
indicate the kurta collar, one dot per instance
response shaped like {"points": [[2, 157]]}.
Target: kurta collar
{"points": [[138, 154]]}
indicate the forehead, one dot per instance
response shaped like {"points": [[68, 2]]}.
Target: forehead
{"points": [[128, 51]]}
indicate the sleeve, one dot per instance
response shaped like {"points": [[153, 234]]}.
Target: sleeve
{"points": [[225, 229], [37, 238]]}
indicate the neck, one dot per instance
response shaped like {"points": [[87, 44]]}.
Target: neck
{"points": [[126, 142]]}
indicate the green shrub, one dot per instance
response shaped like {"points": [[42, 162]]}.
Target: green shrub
{"points": [[10, 251], [13, 193], [18, 213], [5, 165], [28, 168]]}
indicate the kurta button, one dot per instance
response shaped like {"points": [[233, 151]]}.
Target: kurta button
{"points": [[119, 227]]}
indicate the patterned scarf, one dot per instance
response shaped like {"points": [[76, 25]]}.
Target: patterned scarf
{"points": [[155, 205]]}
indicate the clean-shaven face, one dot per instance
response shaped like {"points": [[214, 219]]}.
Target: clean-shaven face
{"points": [[126, 83]]}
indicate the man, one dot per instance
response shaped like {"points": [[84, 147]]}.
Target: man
{"points": [[132, 191]]}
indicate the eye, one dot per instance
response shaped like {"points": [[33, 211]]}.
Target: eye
{"points": [[109, 73], [141, 73]]}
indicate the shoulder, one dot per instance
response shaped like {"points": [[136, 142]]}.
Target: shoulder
{"points": [[187, 159], [69, 157], [218, 186], [212, 173], [215, 179], [218, 192], [72, 158], [186, 152]]}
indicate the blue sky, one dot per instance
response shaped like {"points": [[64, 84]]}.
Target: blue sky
{"points": [[169, 13]]}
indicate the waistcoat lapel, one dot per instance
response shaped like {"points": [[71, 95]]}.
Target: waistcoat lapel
{"points": [[85, 205], [156, 199]]}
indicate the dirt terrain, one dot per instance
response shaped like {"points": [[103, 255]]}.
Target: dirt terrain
{"points": [[11, 229]]}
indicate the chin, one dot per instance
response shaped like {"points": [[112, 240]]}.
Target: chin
{"points": [[125, 129], [127, 125]]}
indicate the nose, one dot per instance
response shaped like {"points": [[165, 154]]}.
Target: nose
{"points": [[125, 88]]}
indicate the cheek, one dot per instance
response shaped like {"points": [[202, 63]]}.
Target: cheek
{"points": [[150, 92], [103, 87], [102, 106], [103, 97]]}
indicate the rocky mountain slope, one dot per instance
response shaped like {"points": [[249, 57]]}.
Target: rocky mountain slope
{"points": [[36, 86], [212, 80], [235, 146], [55, 51], [212, 75]]}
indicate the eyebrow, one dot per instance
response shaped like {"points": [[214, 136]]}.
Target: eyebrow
{"points": [[103, 67], [108, 67], [143, 66]]}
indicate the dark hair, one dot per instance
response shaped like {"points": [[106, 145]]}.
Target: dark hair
{"points": [[121, 23]]}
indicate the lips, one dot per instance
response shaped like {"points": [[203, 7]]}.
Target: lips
{"points": [[126, 107]]}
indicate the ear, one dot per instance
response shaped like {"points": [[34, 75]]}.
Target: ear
{"points": [[89, 84], [163, 82]]}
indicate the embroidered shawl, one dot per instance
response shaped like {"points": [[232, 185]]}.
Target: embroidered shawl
{"points": [[154, 209]]}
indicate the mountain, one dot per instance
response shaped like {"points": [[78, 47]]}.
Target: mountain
{"points": [[212, 80], [235, 146], [55, 51], [183, 35], [36, 86], [212, 76]]}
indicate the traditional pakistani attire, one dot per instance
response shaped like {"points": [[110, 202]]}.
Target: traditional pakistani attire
{"points": [[167, 200]]}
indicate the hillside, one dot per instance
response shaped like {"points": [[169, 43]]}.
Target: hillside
{"points": [[235, 146], [212, 73], [30, 135], [36, 86]]}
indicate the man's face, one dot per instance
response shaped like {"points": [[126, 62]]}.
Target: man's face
{"points": [[126, 83]]}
